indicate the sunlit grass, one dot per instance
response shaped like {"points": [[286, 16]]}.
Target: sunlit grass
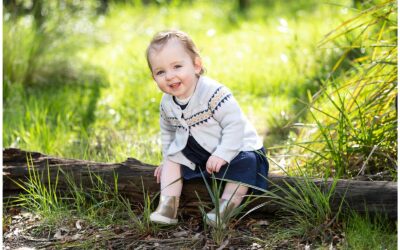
{"points": [[264, 56], [107, 107], [249, 57], [307, 207], [370, 232], [81, 88], [355, 112], [97, 203]]}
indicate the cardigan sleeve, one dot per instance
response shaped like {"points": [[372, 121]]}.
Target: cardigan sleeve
{"points": [[227, 113], [167, 132]]}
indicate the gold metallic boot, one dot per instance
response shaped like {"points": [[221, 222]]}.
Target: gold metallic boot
{"points": [[225, 211], [166, 211]]}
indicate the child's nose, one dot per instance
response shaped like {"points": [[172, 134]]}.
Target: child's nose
{"points": [[169, 75]]}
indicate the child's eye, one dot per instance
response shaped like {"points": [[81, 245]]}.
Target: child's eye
{"points": [[159, 72], [178, 66]]}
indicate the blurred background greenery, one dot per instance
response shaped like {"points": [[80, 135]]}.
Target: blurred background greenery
{"points": [[318, 79]]}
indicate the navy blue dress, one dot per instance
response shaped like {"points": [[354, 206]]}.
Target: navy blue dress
{"points": [[250, 167]]}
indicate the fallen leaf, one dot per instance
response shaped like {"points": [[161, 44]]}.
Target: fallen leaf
{"points": [[58, 235], [8, 235], [76, 236], [255, 246], [61, 233], [180, 234], [197, 236], [78, 224], [17, 231], [262, 223], [118, 230], [5, 228], [14, 211], [16, 218], [223, 245]]}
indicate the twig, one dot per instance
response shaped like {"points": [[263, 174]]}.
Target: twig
{"points": [[366, 161]]}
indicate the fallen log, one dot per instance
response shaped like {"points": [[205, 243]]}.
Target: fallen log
{"points": [[134, 176]]}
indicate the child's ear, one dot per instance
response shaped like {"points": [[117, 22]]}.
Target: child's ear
{"points": [[198, 65]]}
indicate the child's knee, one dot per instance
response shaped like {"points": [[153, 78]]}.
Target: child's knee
{"points": [[171, 164], [172, 168]]}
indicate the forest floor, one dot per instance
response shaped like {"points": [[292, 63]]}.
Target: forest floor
{"points": [[24, 230]]}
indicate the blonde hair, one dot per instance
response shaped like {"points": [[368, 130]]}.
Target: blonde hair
{"points": [[161, 38]]}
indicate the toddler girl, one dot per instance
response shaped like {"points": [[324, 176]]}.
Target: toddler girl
{"points": [[203, 130]]}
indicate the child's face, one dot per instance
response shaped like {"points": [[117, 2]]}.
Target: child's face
{"points": [[174, 69]]}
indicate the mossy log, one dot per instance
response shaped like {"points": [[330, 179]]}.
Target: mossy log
{"points": [[135, 176]]}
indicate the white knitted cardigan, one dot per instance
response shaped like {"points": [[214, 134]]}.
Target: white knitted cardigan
{"points": [[215, 120]]}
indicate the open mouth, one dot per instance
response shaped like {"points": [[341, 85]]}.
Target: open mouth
{"points": [[175, 85]]}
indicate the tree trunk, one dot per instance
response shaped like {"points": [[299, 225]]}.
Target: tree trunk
{"points": [[361, 196]]}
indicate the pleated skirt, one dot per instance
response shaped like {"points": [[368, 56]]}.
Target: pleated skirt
{"points": [[248, 167]]}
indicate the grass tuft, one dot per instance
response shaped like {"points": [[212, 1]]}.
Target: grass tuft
{"points": [[355, 113], [370, 232], [306, 206], [96, 204]]}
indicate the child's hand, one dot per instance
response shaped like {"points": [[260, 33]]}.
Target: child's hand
{"points": [[157, 173], [214, 164]]}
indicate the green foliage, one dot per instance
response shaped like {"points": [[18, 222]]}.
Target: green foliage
{"points": [[40, 46], [40, 196], [142, 223], [76, 84], [91, 80], [355, 114], [306, 207], [219, 232], [97, 203], [50, 94], [370, 232]]}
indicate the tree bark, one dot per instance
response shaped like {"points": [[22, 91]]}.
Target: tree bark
{"points": [[361, 196]]}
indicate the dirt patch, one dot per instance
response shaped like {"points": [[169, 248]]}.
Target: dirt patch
{"points": [[24, 229]]}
